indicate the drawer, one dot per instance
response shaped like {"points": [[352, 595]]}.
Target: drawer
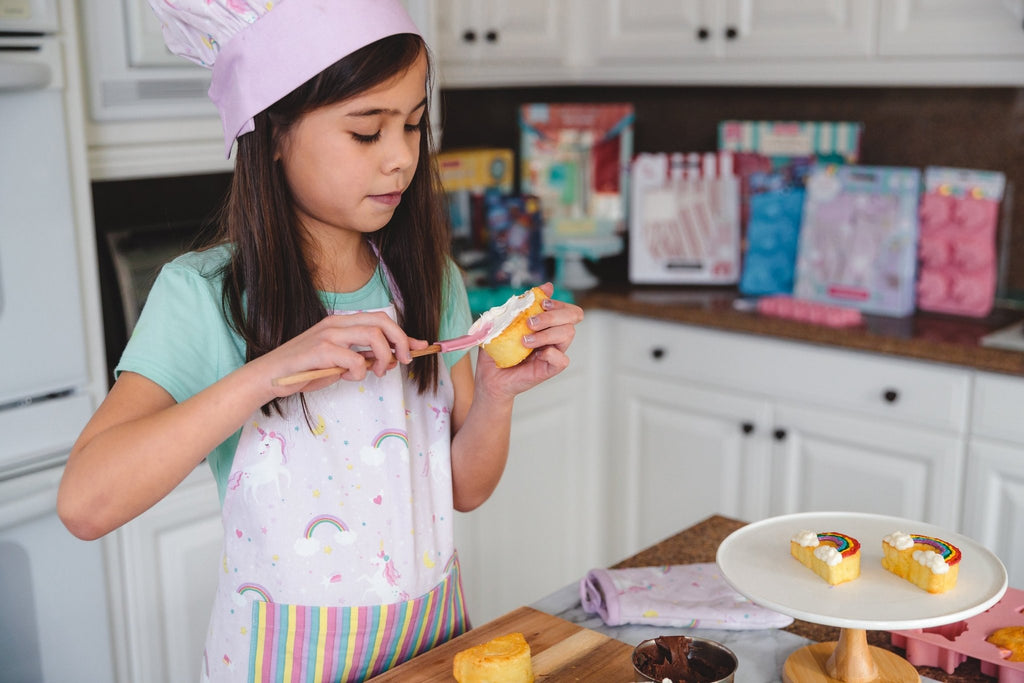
{"points": [[912, 391], [998, 404]]}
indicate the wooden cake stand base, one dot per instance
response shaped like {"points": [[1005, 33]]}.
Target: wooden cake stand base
{"points": [[850, 660]]}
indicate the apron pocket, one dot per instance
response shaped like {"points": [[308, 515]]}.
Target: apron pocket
{"points": [[351, 644]]}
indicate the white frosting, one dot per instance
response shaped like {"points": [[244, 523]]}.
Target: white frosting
{"points": [[932, 560], [502, 316], [899, 540], [828, 555], [807, 539]]}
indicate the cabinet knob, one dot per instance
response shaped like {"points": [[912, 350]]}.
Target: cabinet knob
{"points": [[491, 36], [747, 427], [703, 33], [469, 36], [657, 353], [731, 33], [891, 395], [779, 434]]}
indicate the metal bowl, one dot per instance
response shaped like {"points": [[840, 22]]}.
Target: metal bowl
{"points": [[703, 652]]}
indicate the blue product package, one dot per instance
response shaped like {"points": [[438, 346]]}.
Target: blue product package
{"points": [[514, 230], [769, 265]]}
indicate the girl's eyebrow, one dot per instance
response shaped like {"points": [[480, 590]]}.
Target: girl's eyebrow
{"points": [[379, 111]]}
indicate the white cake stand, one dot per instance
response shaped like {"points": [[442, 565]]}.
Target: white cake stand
{"points": [[755, 560]]}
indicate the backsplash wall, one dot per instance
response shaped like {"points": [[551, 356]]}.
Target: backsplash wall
{"points": [[979, 128]]}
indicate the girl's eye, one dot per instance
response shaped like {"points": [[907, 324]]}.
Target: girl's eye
{"points": [[413, 127], [366, 139]]}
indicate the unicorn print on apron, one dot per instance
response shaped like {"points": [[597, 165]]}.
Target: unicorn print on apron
{"points": [[339, 561]]}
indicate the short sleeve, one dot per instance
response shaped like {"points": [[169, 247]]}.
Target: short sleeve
{"points": [[182, 340], [456, 316]]}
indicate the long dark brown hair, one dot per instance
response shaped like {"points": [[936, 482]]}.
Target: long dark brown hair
{"points": [[269, 292]]}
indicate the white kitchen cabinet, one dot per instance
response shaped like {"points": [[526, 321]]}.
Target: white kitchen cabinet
{"points": [[944, 28], [664, 30], [994, 510], [471, 32], [708, 421], [163, 568], [681, 452], [541, 528], [834, 460], [994, 497], [746, 42]]}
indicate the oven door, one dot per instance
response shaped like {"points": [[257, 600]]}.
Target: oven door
{"points": [[54, 621]]}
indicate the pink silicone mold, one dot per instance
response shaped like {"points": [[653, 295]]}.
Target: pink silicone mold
{"points": [[957, 254], [947, 647], [792, 308]]}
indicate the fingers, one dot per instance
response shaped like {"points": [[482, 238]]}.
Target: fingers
{"points": [[555, 326], [352, 344]]}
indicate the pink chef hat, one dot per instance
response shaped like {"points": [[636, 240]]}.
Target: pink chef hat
{"points": [[261, 50]]}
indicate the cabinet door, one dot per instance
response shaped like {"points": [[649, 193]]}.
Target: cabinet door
{"points": [[166, 575], [832, 460], [482, 32], [680, 453], [628, 31], [994, 501], [798, 28], [531, 537], [949, 28]]}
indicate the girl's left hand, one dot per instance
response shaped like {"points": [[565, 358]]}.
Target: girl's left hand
{"points": [[552, 333]]}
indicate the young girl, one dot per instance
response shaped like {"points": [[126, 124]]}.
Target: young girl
{"points": [[338, 495]]}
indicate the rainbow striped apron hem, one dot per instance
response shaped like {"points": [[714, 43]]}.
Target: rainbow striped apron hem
{"points": [[311, 644]]}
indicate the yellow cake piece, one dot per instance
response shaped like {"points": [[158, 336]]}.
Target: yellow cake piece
{"points": [[505, 659], [929, 563], [833, 556], [505, 341]]}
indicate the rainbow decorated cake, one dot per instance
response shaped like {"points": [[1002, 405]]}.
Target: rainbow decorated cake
{"points": [[833, 556], [929, 563]]}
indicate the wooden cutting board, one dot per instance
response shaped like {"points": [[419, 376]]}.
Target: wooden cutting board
{"points": [[561, 650]]}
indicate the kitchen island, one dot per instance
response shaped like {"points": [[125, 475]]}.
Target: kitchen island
{"points": [[768, 648]]}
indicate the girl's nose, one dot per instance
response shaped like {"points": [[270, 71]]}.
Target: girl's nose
{"points": [[402, 154]]}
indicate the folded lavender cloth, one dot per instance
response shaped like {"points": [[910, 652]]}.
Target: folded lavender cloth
{"points": [[681, 596]]}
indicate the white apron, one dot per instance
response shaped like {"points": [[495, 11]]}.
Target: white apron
{"points": [[339, 561]]}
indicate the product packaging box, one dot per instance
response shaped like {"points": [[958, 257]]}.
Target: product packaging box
{"points": [[772, 160], [858, 238], [684, 224], [575, 159], [466, 174], [514, 240], [959, 213]]}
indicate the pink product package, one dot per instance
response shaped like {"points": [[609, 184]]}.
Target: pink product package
{"points": [[958, 215]]}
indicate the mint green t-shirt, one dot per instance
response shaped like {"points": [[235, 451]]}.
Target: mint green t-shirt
{"points": [[183, 342]]}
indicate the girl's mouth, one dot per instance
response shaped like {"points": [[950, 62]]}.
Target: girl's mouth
{"points": [[389, 199]]}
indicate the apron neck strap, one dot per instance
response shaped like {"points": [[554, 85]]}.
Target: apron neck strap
{"points": [[396, 294]]}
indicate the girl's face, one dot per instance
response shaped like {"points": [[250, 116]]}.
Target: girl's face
{"points": [[348, 163]]}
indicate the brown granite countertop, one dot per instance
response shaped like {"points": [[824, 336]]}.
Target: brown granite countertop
{"points": [[699, 543], [924, 336]]}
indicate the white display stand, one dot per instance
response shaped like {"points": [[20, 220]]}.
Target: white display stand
{"points": [[755, 560]]}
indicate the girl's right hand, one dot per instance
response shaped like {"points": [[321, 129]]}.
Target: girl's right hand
{"points": [[355, 343]]}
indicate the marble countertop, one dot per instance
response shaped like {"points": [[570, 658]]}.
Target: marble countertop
{"points": [[762, 653], [924, 336]]}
